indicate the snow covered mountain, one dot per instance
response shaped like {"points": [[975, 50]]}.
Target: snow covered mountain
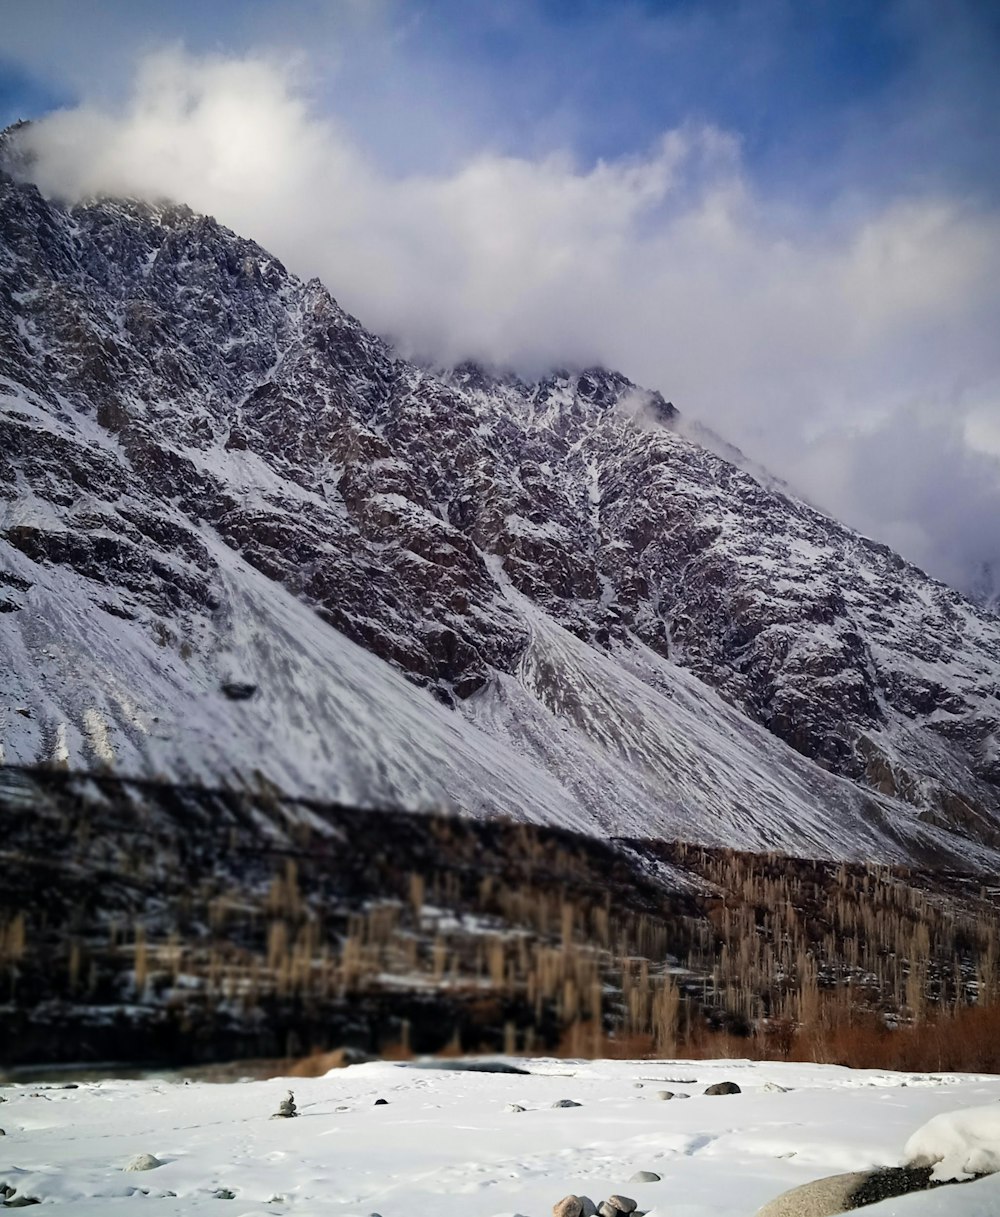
{"points": [[545, 599]]}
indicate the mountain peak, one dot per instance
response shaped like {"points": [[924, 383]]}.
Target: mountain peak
{"points": [[211, 475]]}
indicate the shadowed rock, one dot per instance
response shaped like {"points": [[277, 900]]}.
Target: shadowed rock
{"points": [[854, 1190]]}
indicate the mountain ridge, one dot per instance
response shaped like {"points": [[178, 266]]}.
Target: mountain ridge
{"points": [[187, 428]]}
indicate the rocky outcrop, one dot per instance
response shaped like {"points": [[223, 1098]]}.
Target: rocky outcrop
{"points": [[168, 388]]}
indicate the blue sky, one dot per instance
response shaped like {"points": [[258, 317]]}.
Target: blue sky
{"points": [[785, 214], [828, 97]]}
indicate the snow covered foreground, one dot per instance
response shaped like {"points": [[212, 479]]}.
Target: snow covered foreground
{"points": [[445, 1144]]}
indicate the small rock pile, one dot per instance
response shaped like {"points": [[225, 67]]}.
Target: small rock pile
{"points": [[583, 1206], [286, 1108]]}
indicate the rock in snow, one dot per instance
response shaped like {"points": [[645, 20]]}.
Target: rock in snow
{"points": [[286, 1108], [956, 1146], [614, 1205]]}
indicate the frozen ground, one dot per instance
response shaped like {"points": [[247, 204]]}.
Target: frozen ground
{"points": [[445, 1144]]}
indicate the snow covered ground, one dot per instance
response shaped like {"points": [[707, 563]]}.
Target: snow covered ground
{"points": [[445, 1143]]}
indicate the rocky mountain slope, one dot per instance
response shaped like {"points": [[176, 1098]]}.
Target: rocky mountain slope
{"points": [[443, 587]]}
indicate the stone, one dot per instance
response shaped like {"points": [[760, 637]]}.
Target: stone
{"points": [[645, 1177], [238, 690], [774, 1088], [835, 1194], [723, 1088], [286, 1108], [381, 1103], [514, 1107], [624, 1204], [21, 1202], [589, 1208], [664, 1094], [612, 1207], [223, 1193], [566, 1103], [569, 1206], [142, 1162]]}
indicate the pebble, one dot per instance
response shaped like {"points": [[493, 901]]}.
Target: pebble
{"points": [[514, 1107], [566, 1103], [645, 1177]]}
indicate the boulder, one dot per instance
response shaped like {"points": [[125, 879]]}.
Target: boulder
{"points": [[238, 690], [569, 1206], [566, 1103], [723, 1088], [621, 1204], [844, 1193], [588, 1206]]}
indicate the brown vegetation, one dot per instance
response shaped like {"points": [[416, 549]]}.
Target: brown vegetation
{"points": [[409, 934]]}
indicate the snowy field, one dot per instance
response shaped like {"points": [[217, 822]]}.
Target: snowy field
{"points": [[447, 1144]]}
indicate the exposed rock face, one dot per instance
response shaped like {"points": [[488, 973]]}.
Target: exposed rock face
{"points": [[175, 406]]}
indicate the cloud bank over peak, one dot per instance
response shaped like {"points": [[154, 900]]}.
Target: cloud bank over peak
{"points": [[852, 349]]}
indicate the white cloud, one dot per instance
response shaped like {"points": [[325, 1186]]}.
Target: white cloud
{"points": [[811, 341]]}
